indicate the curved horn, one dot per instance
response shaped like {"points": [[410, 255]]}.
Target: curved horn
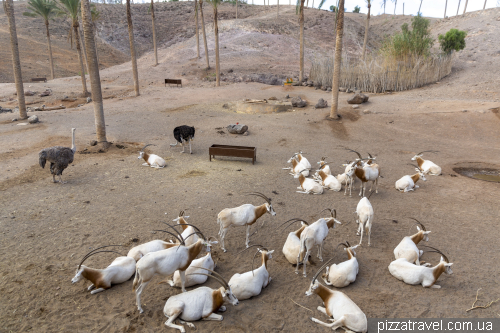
{"points": [[428, 151], [90, 255], [438, 251], [418, 222], [330, 210], [213, 277], [416, 166], [294, 220], [347, 242], [195, 227], [181, 213], [353, 151], [196, 232], [260, 195], [180, 238], [370, 195], [321, 269], [146, 146], [216, 274], [370, 155], [171, 233]]}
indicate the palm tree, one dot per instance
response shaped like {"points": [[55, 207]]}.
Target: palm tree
{"points": [[46, 9], [236, 9], [278, 14], [383, 4], [338, 60], [9, 11], [465, 8], [96, 15], [215, 4], [484, 4], [95, 80], [197, 29], [367, 26], [458, 6], [421, 6], [395, 4], [154, 32], [301, 40], [72, 8], [445, 6], [204, 34], [132, 49]]}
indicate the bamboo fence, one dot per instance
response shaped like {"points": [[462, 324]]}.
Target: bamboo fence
{"points": [[377, 75]]}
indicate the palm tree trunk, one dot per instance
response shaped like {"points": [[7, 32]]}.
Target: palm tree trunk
{"points": [[278, 15], [420, 6], [80, 58], [95, 44], [458, 6], [484, 4], [154, 32], [338, 61], [132, 49], [217, 64], [84, 50], [367, 26], [50, 50], [236, 9], [95, 80], [465, 8], [301, 40], [395, 4], [16, 62], [445, 6], [204, 34], [197, 29]]}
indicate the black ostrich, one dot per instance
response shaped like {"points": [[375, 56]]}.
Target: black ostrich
{"points": [[183, 134]]}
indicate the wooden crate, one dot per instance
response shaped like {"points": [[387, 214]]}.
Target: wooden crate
{"points": [[235, 151]]}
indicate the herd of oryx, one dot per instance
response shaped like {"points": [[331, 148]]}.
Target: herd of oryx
{"points": [[188, 261]]}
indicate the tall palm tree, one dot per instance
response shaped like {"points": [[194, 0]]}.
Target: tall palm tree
{"points": [[236, 9], [72, 8], [215, 4], [445, 6], [458, 6], [132, 49], [367, 26], [95, 80], [338, 60], [96, 15], [484, 4], [301, 41], [420, 6], [278, 14], [204, 34], [465, 8], [197, 29], [154, 32], [383, 4], [46, 9], [16, 63], [395, 4]]}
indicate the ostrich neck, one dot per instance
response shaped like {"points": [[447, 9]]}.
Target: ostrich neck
{"points": [[73, 148]]}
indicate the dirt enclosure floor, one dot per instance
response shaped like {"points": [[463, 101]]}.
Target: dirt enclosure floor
{"points": [[109, 198]]}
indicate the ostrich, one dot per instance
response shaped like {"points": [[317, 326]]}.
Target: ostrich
{"points": [[59, 158], [182, 134]]}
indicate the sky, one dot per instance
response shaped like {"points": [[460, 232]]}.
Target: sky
{"points": [[430, 8]]}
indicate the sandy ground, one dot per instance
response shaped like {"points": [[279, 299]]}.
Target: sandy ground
{"points": [[46, 228]]}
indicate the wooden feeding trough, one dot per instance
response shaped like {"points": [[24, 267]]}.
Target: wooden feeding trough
{"points": [[235, 151]]}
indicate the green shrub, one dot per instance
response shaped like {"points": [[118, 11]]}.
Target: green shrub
{"points": [[356, 9], [452, 40], [410, 43]]}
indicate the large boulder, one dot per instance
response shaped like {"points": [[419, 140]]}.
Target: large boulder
{"points": [[321, 104], [237, 129], [358, 99], [33, 119], [298, 102]]}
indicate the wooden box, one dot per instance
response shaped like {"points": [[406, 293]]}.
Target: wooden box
{"points": [[235, 151]]}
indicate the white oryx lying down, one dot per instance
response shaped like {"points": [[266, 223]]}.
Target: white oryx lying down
{"points": [[251, 283], [192, 278], [409, 183], [409, 273], [291, 248], [343, 311], [343, 274], [309, 186], [328, 181], [427, 166], [408, 249], [119, 271], [300, 165], [152, 160], [200, 303]]}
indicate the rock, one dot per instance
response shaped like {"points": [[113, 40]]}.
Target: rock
{"points": [[357, 91], [298, 102], [47, 92], [287, 96], [93, 142], [272, 98], [79, 105], [296, 83], [355, 106], [89, 99], [329, 89], [342, 89], [29, 93], [15, 119], [366, 111], [5, 110], [321, 104], [65, 97], [230, 71], [246, 133], [37, 108], [304, 84], [237, 129], [225, 106], [323, 88], [33, 119], [357, 99], [310, 83]]}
